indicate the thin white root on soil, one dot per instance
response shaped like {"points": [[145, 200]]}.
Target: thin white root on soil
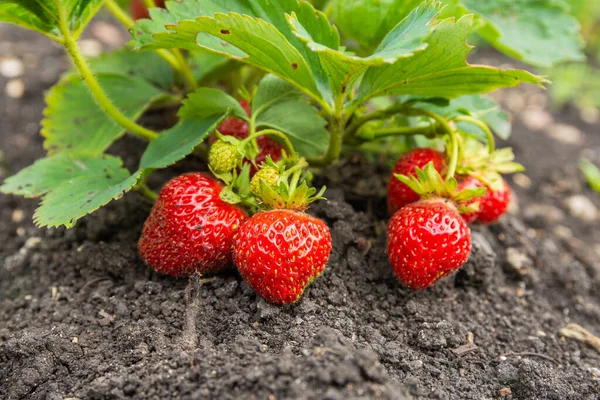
{"points": [[577, 332], [189, 336]]}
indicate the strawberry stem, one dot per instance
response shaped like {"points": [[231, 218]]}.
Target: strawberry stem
{"points": [[98, 93], [275, 133], [150, 4], [491, 142]]}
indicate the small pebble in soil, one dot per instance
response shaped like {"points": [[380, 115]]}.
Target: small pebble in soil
{"points": [[90, 47], [536, 119], [11, 68], [522, 180], [15, 88], [518, 260], [566, 134], [582, 208]]}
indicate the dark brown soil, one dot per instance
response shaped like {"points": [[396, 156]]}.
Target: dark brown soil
{"points": [[82, 317]]}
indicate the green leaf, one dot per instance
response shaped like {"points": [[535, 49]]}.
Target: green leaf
{"points": [[591, 173], [368, 21], [74, 122], [539, 32], [482, 107], [146, 65], [208, 102], [179, 141], [252, 32], [278, 105], [440, 70], [48, 173], [403, 41], [43, 16], [206, 66], [73, 185], [81, 196]]}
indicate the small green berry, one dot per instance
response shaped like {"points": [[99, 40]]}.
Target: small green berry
{"points": [[269, 175], [223, 157]]}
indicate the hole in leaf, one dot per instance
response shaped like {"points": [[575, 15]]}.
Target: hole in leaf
{"points": [[225, 31], [294, 66]]}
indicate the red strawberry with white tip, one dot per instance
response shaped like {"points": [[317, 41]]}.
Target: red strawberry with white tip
{"points": [[190, 229]]}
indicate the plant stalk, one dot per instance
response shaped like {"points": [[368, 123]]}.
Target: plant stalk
{"points": [[491, 142], [97, 92]]}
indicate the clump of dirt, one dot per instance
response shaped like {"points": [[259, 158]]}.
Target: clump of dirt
{"points": [[81, 316]]}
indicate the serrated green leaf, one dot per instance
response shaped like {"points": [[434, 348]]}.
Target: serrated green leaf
{"points": [[368, 21], [81, 196], [279, 105], [49, 173], [72, 185], [440, 70], [179, 141], [591, 173], [74, 122], [207, 102], [539, 32], [402, 41], [206, 66], [43, 16], [258, 35]]}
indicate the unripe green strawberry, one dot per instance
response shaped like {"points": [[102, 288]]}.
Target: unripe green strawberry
{"points": [[269, 175], [223, 157]]}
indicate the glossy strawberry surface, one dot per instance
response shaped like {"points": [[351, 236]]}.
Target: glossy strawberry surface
{"points": [[139, 10], [190, 229], [427, 240], [494, 204], [469, 182], [280, 252], [399, 194]]}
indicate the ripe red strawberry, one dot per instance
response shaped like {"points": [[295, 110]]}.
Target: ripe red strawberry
{"points": [[494, 204], [190, 229], [469, 182], [235, 127], [280, 252], [399, 194], [427, 240], [240, 129], [139, 10]]}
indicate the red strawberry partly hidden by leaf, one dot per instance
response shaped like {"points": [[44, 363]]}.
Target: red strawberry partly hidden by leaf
{"points": [[469, 182], [280, 252], [494, 204], [399, 194], [240, 129], [235, 127], [190, 229], [139, 10], [427, 240]]}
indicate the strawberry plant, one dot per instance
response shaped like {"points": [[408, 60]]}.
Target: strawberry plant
{"points": [[275, 87]]}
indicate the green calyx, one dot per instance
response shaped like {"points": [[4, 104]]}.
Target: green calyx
{"points": [[477, 161], [223, 157], [289, 191], [428, 183]]}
